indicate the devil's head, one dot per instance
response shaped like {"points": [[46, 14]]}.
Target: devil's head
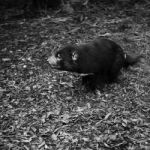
{"points": [[65, 59]]}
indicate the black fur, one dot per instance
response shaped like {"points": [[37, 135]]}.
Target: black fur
{"points": [[102, 59]]}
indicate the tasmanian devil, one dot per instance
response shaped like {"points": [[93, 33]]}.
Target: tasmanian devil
{"points": [[101, 59]]}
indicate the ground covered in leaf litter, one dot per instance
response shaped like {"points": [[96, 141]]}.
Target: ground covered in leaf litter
{"points": [[45, 109]]}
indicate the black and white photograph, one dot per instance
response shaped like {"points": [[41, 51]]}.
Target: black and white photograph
{"points": [[74, 75]]}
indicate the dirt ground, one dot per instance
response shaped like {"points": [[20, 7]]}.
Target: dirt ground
{"points": [[45, 109]]}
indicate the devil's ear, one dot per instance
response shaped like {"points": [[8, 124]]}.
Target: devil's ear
{"points": [[75, 56]]}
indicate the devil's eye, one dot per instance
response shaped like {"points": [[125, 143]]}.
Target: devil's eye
{"points": [[58, 56]]}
